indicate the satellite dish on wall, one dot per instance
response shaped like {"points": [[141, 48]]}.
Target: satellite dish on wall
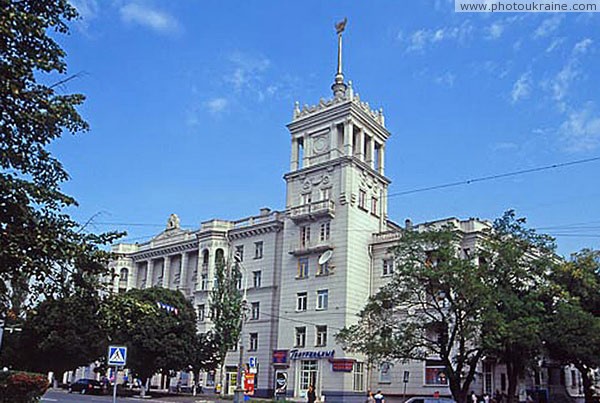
{"points": [[325, 257]]}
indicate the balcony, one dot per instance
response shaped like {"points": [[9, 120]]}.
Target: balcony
{"points": [[305, 248], [313, 211]]}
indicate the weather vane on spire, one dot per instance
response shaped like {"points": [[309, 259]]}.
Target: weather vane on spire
{"points": [[338, 87], [340, 26]]}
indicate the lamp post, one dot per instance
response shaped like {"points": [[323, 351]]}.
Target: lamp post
{"points": [[238, 394]]}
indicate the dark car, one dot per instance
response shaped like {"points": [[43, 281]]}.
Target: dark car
{"points": [[84, 386]]}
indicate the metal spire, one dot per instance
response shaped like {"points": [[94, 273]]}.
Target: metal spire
{"points": [[338, 87]]}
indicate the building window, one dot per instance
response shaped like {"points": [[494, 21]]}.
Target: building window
{"points": [[302, 267], [258, 250], [324, 233], [308, 374], [385, 372], [256, 278], [362, 199], [306, 198], [321, 339], [487, 378], [301, 301], [325, 194], [305, 236], [573, 379], [435, 373], [255, 314], [374, 206], [322, 299], [239, 253], [388, 267], [204, 282], [300, 337], [201, 310], [253, 342], [359, 377], [323, 269]]}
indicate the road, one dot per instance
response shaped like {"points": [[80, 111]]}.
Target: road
{"points": [[60, 396]]}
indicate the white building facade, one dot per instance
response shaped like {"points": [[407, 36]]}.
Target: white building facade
{"points": [[309, 268]]}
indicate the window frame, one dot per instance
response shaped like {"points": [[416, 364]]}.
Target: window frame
{"points": [[258, 249], [301, 296], [320, 335], [322, 300]]}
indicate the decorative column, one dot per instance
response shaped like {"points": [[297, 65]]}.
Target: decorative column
{"points": [[133, 275], [348, 128], [381, 159], [370, 152], [149, 273], [183, 273], [359, 147], [166, 274], [306, 151], [199, 269], [294, 158]]}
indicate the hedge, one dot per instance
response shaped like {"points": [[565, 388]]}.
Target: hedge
{"points": [[22, 387]]}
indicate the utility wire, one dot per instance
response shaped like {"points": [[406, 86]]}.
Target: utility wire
{"points": [[494, 177]]}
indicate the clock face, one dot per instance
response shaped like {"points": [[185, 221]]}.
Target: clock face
{"points": [[320, 144]]}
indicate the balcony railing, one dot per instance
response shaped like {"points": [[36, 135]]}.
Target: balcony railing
{"points": [[314, 210], [306, 247]]}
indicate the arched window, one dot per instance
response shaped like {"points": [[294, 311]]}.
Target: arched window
{"points": [[205, 259], [123, 276], [219, 256]]}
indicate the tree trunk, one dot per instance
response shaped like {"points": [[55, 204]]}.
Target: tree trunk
{"points": [[144, 386], [513, 380], [458, 393], [222, 379], [588, 390]]}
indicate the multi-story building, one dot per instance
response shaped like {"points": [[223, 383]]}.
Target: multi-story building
{"points": [[309, 268]]}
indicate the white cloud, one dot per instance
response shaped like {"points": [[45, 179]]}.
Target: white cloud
{"points": [[495, 30], [548, 26], [88, 10], [216, 106], [582, 46], [560, 84], [555, 44], [581, 130], [247, 71], [143, 15], [521, 88], [446, 79], [420, 39]]}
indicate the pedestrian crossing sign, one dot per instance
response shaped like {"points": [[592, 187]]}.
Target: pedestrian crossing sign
{"points": [[117, 355]]}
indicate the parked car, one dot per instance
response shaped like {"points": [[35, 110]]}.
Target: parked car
{"points": [[429, 399], [85, 386]]}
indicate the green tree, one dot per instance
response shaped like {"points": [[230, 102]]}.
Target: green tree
{"points": [[573, 331], [434, 305], [62, 334], [39, 242], [158, 339], [516, 261], [226, 311]]}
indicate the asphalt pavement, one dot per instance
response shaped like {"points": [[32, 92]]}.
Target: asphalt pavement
{"points": [[60, 396]]}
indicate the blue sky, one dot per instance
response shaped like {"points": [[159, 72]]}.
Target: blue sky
{"points": [[188, 101]]}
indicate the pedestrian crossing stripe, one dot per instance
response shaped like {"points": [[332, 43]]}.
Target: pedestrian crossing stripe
{"points": [[117, 355]]}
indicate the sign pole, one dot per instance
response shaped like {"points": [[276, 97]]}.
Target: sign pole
{"points": [[115, 385]]}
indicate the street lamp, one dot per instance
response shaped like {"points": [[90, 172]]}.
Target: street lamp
{"points": [[238, 394]]}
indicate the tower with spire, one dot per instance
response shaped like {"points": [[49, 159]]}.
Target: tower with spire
{"points": [[336, 200]]}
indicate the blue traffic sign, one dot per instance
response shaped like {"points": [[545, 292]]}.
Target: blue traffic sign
{"points": [[117, 355]]}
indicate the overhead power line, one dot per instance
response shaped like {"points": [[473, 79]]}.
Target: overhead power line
{"points": [[494, 177]]}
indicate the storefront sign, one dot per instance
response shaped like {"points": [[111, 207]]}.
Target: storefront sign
{"points": [[342, 365], [280, 356], [315, 355], [280, 382], [249, 384]]}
